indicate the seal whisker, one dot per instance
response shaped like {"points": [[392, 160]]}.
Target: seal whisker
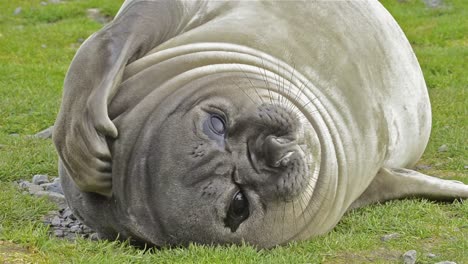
{"points": [[294, 216], [290, 105], [303, 206], [283, 217], [264, 76], [282, 84], [250, 81], [278, 82], [251, 99], [316, 98], [311, 188], [300, 90]]}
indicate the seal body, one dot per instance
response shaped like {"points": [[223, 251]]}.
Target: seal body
{"points": [[223, 122]]}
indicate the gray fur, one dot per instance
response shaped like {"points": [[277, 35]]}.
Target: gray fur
{"points": [[324, 104]]}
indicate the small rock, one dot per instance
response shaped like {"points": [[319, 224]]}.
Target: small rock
{"points": [[56, 221], [66, 223], [466, 166], [39, 179], [14, 135], [43, 3], [433, 3], [390, 237], [59, 233], [55, 187], [43, 46], [446, 262], [74, 228], [32, 188], [409, 257], [71, 236], [17, 10], [431, 255], [58, 199], [24, 184], [73, 217], [443, 148], [55, 1], [68, 214]]}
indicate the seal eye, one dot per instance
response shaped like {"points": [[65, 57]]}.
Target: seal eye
{"points": [[214, 126], [238, 211], [217, 125]]}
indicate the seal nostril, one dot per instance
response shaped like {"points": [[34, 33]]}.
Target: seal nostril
{"points": [[278, 151], [284, 161]]}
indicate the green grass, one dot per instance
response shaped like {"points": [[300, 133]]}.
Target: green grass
{"points": [[36, 47]]}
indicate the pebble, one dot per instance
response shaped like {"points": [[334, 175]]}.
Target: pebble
{"points": [[433, 3], [43, 3], [53, 187], [32, 188], [56, 221], [57, 198], [466, 167], [446, 262], [39, 179], [431, 255], [390, 237], [18, 10], [62, 223], [59, 233], [74, 228], [443, 148], [409, 257]]}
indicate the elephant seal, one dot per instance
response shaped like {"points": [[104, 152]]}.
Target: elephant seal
{"points": [[220, 122]]}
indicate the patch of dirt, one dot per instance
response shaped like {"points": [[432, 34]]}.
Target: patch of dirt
{"points": [[11, 253]]}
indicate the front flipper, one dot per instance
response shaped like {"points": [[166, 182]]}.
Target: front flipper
{"points": [[390, 184], [83, 123]]}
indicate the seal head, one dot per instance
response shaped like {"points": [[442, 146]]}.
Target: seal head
{"points": [[213, 159]]}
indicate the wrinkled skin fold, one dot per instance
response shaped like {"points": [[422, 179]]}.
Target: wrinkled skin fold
{"points": [[221, 122]]}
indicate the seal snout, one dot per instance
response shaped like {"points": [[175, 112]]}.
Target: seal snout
{"points": [[278, 151]]}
